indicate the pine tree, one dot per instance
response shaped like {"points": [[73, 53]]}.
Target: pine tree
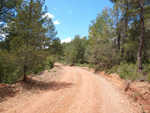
{"points": [[28, 25], [7, 9]]}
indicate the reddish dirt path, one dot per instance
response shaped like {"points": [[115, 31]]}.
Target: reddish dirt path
{"points": [[82, 92]]}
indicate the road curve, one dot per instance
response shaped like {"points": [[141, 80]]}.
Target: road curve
{"points": [[82, 92]]}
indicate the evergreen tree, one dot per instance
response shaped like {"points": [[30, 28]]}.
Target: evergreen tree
{"points": [[7, 9], [29, 30]]}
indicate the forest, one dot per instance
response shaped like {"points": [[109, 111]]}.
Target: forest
{"points": [[118, 40]]}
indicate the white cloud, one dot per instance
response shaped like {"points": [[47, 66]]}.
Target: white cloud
{"points": [[1, 32], [5, 25], [56, 22], [55, 9], [2, 35], [70, 12], [81, 37], [48, 15], [66, 40]]}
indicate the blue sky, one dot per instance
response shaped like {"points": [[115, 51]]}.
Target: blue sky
{"points": [[73, 17]]}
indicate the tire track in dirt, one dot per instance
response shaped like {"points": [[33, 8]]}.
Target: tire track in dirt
{"points": [[53, 100], [112, 100], [71, 93], [86, 93], [41, 101], [86, 99]]}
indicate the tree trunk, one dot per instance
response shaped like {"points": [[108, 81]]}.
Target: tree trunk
{"points": [[139, 54], [25, 69], [125, 29], [27, 43], [118, 40], [124, 37], [118, 31]]}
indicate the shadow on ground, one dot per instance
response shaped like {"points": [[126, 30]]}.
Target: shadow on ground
{"points": [[32, 86], [7, 91], [40, 85]]}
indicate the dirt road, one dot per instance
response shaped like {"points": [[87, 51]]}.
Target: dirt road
{"points": [[76, 91]]}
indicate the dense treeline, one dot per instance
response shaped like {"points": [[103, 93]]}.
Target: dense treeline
{"points": [[28, 38], [118, 40], [74, 51]]}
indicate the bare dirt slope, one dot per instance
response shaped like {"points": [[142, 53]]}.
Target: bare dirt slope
{"points": [[74, 91]]}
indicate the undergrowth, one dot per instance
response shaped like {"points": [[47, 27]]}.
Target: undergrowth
{"points": [[129, 72]]}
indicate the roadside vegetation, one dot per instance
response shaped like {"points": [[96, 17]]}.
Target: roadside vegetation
{"points": [[28, 42], [118, 40]]}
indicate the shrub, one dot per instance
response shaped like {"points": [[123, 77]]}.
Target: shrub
{"points": [[13, 77], [102, 55], [146, 68], [146, 71], [9, 69], [82, 65], [113, 69], [128, 71], [36, 62], [71, 55], [148, 76], [50, 62]]}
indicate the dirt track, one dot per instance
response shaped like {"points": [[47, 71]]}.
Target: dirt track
{"points": [[76, 91]]}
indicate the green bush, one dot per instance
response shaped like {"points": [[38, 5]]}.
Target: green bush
{"points": [[38, 64], [38, 68], [148, 76], [102, 55], [9, 69], [50, 62], [128, 71], [113, 69], [146, 71], [12, 77], [71, 55], [146, 68], [62, 62], [82, 65]]}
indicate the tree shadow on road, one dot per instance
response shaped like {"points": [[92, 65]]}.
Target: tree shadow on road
{"points": [[41, 85], [7, 91], [32, 86]]}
